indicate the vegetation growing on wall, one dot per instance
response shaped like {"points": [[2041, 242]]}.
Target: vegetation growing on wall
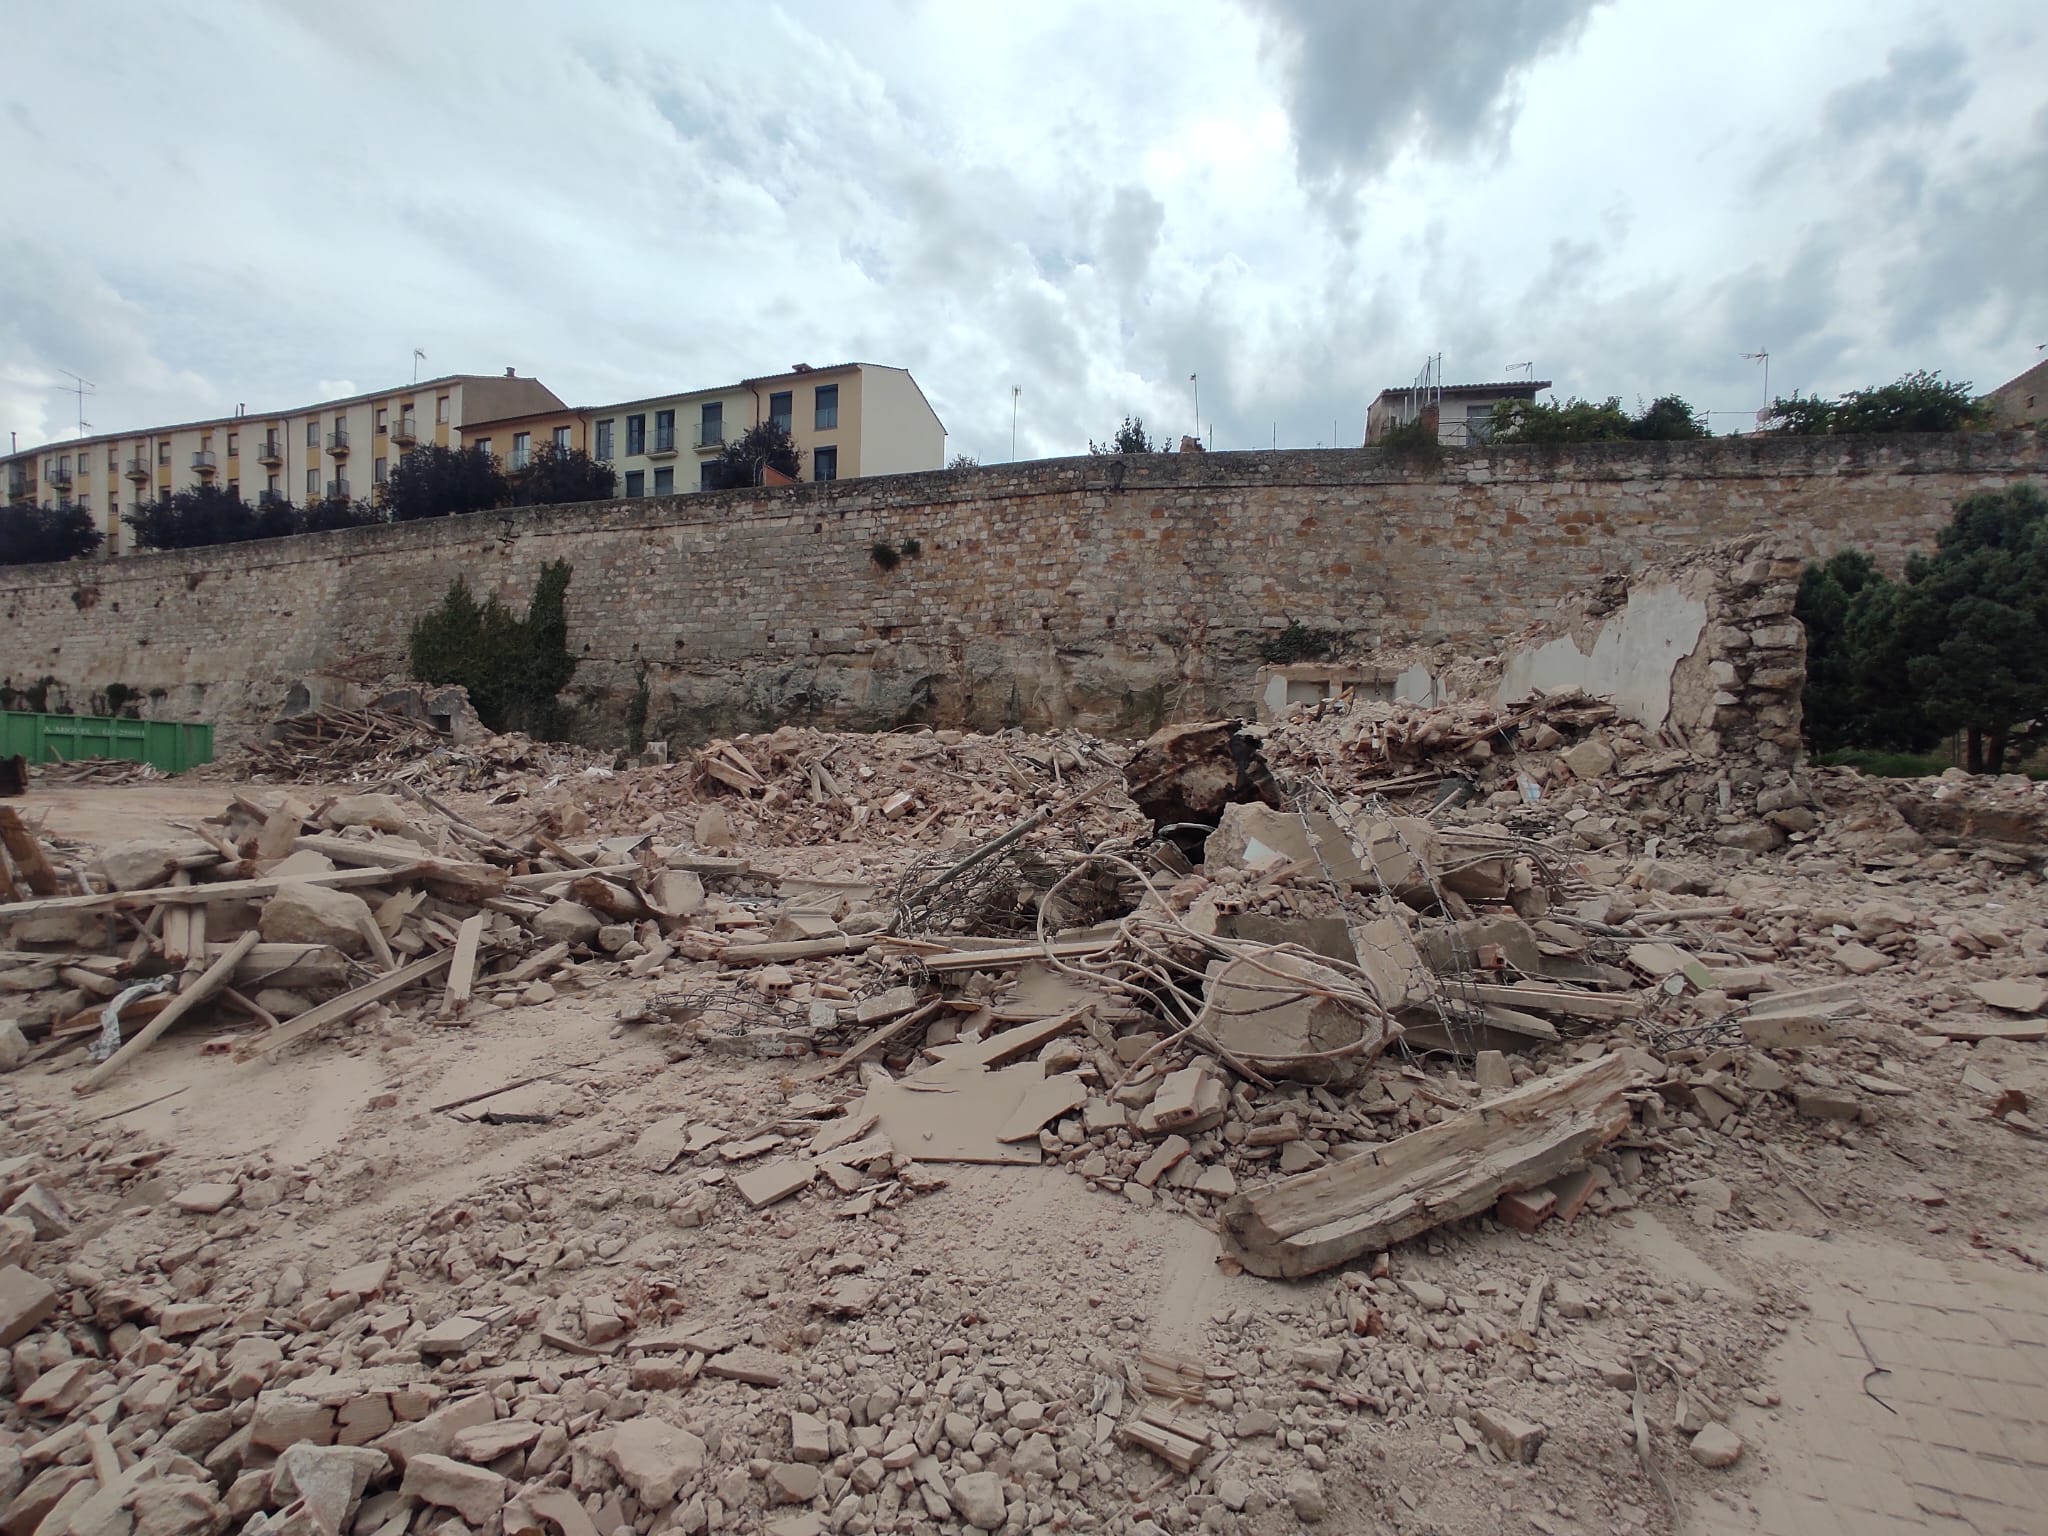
{"points": [[745, 460], [1131, 437], [1297, 642], [1960, 646], [513, 668], [1667, 418], [211, 514], [44, 535], [1919, 402]]}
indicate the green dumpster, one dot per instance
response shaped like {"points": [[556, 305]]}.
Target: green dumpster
{"points": [[169, 745]]}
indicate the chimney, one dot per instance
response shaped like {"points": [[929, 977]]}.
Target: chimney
{"points": [[511, 373]]}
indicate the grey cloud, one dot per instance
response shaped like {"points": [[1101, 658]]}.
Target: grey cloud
{"points": [[1361, 80], [1920, 85]]}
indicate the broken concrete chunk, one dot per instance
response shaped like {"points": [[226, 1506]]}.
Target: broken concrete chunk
{"points": [[475, 1493], [205, 1199], [2013, 996], [654, 1458], [1260, 839], [1515, 1438], [317, 914], [1287, 1016], [566, 922], [285, 1418], [1190, 1100], [771, 1182], [1716, 1446], [452, 1336]]}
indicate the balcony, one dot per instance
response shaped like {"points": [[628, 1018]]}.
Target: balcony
{"points": [[60, 476], [663, 444], [405, 431], [137, 470], [270, 498], [270, 451], [20, 484], [708, 436], [337, 442], [203, 462], [337, 490]]}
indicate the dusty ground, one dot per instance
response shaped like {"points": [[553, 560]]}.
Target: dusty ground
{"points": [[1736, 1273]]}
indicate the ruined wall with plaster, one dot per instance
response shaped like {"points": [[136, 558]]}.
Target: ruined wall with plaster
{"points": [[1109, 592]]}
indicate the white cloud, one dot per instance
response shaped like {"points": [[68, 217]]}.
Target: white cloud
{"points": [[265, 201]]}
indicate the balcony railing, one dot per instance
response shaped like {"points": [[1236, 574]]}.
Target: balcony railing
{"points": [[661, 444], [204, 462], [59, 475], [138, 469], [270, 451], [708, 437], [337, 490], [270, 498], [20, 484], [405, 431], [337, 442]]}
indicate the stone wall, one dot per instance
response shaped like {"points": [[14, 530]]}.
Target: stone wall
{"points": [[1105, 592]]}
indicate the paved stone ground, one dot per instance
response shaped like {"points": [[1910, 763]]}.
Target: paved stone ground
{"points": [[1964, 1446]]}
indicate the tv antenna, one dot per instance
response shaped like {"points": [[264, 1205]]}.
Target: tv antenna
{"points": [[1528, 370], [1763, 357], [80, 388]]}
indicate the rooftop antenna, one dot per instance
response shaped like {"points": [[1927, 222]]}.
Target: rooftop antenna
{"points": [[418, 357], [1016, 394], [1528, 370], [1763, 357], [81, 388]]}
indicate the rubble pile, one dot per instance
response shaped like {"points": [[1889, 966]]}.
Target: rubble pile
{"points": [[1425, 1008]]}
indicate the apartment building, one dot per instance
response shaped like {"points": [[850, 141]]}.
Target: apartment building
{"points": [[335, 448], [848, 420]]}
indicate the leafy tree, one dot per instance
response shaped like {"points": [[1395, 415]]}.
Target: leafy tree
{"points": [[765, 445], [332, 512], [556, 476], [42, 535], [513, 668], [205, 515], [1668, 418], [963, 461], [1919, 402], [1854, 661], [433, 481], [1129, 438], [1972, 622]]}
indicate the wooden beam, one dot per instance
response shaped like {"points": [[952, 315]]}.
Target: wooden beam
{"points": [[214, 978], [462, 968], [1442, 1173], [349, 1003], [219, 890], [881, 1034], [789, 949], [466, 881], [30, 862], [1605, 1007]]}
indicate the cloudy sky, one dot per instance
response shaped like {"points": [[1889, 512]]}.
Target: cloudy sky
{"points": [[223, 200]]}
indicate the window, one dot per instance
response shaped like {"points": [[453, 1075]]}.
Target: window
{"points": [[604, 439], [235, 489], [636, 482], [712, 428], [441, 409], [522, 449], [665, 480], [664, 431], [113, 457], [828, 407], [233, 439], [206, 442], [561, 439], [312, 432], [341, 421], [163, 450], [377, 472], [483, 446], [383, 420], [707, 475], [782, 408], [312, 485], [636, 435], [84, 503], [270, 486], [824, 463], [163, 496]]}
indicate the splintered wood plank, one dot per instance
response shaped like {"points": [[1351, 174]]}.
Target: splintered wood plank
{"points": [[1603, 1007], [342, 1007], [165, 895], [462, 968], [1004, 1047], [1442, 1173], [196, 992], [26, 853]]}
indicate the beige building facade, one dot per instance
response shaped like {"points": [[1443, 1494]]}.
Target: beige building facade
{"points": [[849, 421], [339, 447]]}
